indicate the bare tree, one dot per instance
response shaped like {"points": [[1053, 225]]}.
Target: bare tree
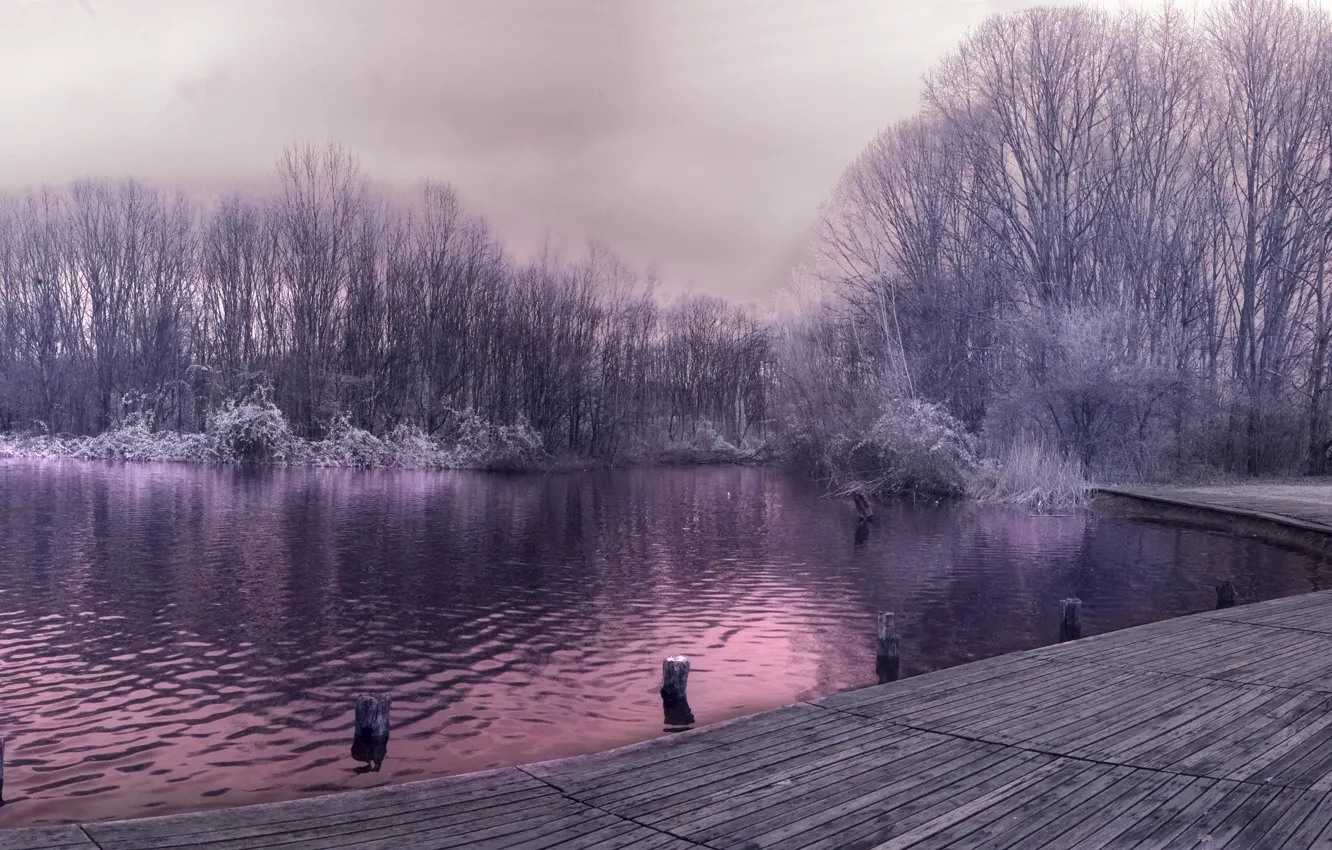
{"points": [[1112, 230], [322, 199]]}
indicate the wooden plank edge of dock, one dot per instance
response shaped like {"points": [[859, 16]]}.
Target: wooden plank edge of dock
{"points": [[1211, 507]]}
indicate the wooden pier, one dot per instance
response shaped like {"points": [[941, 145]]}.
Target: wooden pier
{"points": [[1209, 731]]}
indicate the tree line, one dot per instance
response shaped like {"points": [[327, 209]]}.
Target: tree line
{"points": [[1105, 235], [1108, 232], [341, 304]]}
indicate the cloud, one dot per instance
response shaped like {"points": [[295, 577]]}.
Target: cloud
{"points": [[696, 134]]}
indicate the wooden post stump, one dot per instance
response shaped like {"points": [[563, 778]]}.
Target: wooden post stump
{"points": [[370, 733], [864, 512], [674, 681], [1070, 625], [1225, 595], [2, 771], [887, 660]]}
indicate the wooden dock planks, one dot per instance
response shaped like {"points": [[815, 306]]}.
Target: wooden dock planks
{"points": [[45, 838], [1306, 504]]}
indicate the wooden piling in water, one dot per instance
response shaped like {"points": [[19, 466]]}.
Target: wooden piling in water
{"points": [[887, 656], [1225, 595], [864, 512], [862, 533], [370, 731], [2, 771], [674, 700], [1070, 624]]}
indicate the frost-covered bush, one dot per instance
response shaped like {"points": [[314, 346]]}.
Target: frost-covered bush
{"points": [[412, 448], [347, 445], [253, 431], [133, 440], [913, 447], [706, 438], [476, 443]]}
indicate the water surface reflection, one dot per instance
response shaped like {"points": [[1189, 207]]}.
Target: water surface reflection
{"points": [[176, 638]]}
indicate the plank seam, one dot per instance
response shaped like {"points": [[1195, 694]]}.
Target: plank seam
{"points": [[1266, 783], [617, 815], [1217, 617], [91, 840], [1213, 617], [1300, 687]]}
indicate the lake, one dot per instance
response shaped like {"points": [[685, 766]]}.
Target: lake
{"points": [[175, 638]]}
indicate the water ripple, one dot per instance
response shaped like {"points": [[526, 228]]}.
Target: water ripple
{"points": [[176, 638]]}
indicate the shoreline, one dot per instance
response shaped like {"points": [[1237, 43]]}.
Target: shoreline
{"points": [[548, 466]]}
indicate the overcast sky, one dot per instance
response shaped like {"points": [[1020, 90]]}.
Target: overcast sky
{"points": [[699, 134]]}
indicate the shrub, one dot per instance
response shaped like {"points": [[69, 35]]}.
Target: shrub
{"points": [[477, 443], [914, 447], [133, 440], [1030, 474], [254, 431], [347, 445], [412, 448]]}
